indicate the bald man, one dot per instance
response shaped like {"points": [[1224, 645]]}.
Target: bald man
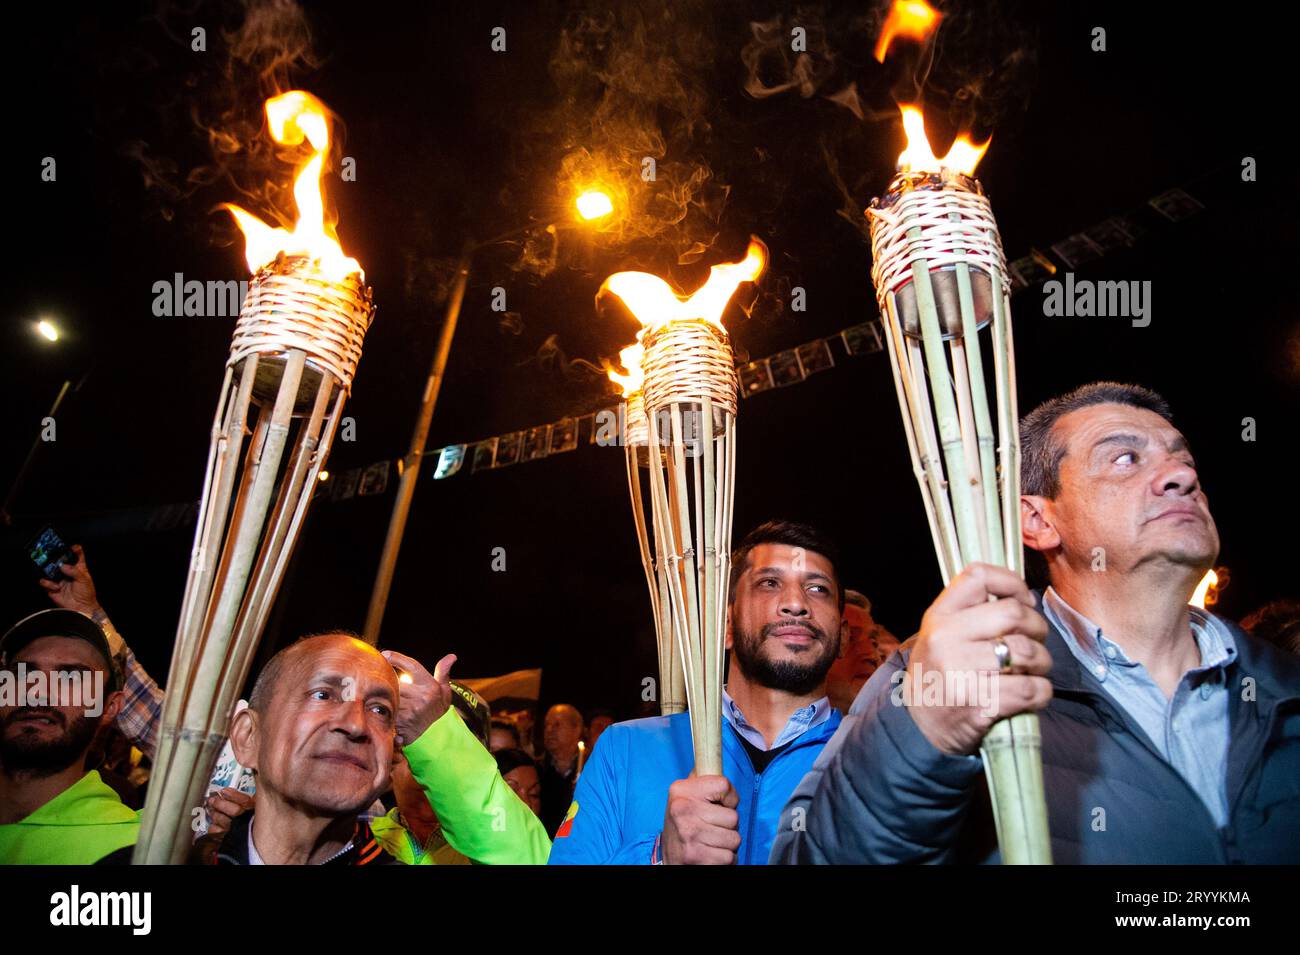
{"points": [[561, 731], [320, 733]]}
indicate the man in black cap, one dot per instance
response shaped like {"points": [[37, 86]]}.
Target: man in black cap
{"points": [[58, 684]]}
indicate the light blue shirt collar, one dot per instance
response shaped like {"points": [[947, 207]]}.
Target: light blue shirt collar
{"points": [[800, 722], [1098, 653]]}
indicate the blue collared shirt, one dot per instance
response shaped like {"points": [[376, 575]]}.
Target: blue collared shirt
{"points": [[801, 721], [1191, 729]]}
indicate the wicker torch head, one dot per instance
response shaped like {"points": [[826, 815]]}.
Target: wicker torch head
{"points": [[290, 305], [945, 220], [687, 361]]}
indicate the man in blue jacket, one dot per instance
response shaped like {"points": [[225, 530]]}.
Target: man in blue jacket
{"points": [[1169, 735], [637, 801]]}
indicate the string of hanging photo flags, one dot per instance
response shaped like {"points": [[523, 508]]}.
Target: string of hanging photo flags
{"points": [[785, 368]]}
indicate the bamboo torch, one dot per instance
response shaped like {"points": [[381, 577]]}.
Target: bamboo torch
{"points": [[292, 359], [690, 394], [637, 452], [940, 276]]}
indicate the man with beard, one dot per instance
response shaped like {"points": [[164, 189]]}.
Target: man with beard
{"points": [[637, 801], [59, 686]]}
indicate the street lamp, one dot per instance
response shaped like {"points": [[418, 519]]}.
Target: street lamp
{"points": [[594, 204], [50, 332]]}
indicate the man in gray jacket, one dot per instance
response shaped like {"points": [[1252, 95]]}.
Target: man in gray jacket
{"points": [[1169, 734]]}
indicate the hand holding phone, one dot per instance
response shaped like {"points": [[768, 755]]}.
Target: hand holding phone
{"points": [[76, 589], [49, 552]]}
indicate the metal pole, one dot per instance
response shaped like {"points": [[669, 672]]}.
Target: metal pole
{"points": [[14, 488], [411, 463]]}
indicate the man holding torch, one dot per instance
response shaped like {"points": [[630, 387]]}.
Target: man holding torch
{"points": [[637, 801], [1168, 734]]}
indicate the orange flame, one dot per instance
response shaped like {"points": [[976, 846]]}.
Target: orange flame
{"points": [[1205, 590], [294, 117], [653, 302], [633, 378], [914, 19], [963, 156]]}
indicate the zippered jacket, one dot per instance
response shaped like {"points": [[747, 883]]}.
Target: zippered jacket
{"points": [[882, 793], [619, 804]]}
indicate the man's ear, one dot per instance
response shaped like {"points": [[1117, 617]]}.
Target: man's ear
{"points": [[1037, 529], [729, 639], [244, 737], [113, 705]]}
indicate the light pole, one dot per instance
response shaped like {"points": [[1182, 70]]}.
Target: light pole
{"points": [[49, 331], [589, 208]]}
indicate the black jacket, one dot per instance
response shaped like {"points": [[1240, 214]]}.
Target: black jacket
{"points": [[881, 793]]}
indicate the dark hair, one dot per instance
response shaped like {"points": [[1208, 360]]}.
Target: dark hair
{"points": [[509, 727], [1041, 452], [1278, 622], [792, 534], [598, 712], [509, 760]]}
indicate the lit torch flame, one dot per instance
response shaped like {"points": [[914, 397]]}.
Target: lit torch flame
{"points": [[653, 302], [633, 377], [1203, 589], [294, 117], [917, 156], [913, 19]]}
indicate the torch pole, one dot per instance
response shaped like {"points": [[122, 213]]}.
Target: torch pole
{"points": [[414, 456]]}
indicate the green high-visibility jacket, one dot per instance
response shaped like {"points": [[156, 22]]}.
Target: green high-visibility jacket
{"points": [[481, 817], [79, 826]]}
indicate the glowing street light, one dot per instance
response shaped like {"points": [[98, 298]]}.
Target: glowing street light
{"points": [[48, 329], [594, 204]]}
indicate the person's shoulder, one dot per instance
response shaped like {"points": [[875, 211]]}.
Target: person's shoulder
{"points": [[650, 724], [648, 730], [1259, 658]]}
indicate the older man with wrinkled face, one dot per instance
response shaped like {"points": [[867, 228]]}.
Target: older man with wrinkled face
{"points": [[319, 733]]}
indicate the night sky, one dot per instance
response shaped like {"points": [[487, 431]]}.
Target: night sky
{"points": [[454, 141]]}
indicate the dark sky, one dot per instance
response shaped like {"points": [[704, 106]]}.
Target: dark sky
{"points": [[452, 140]]}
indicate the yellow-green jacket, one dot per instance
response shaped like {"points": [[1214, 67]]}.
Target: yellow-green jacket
{"points": [[482, 819]]}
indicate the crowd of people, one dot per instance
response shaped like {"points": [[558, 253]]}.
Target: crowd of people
{"points": [[1169, 734]]}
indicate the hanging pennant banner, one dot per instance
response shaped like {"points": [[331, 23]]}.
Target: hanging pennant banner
{"points": [[755, 377], [345, 485], [485, 453], [815, 356], [536, 442], [374, 480], [449, 461], [508, 449], [564, 435], [862, 339], [785, 368]]}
